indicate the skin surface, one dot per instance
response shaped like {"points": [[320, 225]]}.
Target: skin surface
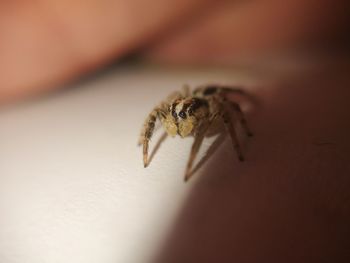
{"points": [[46, 43]]}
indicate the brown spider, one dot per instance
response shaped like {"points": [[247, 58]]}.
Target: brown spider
{"points": [[184, 113]]}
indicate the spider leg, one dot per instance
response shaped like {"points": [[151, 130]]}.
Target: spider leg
{"points": [[147, 133], [231, 129], [194, 150], [198, 139], [141, 137], [235, 106], [157, 146]]}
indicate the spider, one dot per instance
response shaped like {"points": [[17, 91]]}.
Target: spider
{"points": [[186, 113]]}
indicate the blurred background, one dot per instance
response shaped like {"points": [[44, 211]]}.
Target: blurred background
{"points": [[77, 79], [47, 43]]}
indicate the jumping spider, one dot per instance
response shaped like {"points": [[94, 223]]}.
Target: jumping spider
{"points": [[184, 113]]}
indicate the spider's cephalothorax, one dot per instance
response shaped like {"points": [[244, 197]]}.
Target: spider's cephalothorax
{"points": [[185, 114]]}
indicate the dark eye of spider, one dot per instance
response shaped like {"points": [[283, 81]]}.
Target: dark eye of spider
{"points": [[182, 114], [174, 114]]}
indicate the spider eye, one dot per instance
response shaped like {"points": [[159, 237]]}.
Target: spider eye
{"points": [[174, 114], [190, 112], [182, 114]]}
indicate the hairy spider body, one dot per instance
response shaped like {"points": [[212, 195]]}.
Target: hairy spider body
{"points": [[192, 114]]}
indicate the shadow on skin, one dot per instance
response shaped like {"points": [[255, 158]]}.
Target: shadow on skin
{"points": [[210, 152], [290, 200]]}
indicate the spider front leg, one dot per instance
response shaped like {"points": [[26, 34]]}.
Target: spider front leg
{"points": [[198, 139], [232, 131], [147, 133], [194, 150]]}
